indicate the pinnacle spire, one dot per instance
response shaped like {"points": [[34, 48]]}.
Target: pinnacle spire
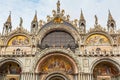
{"points": [[81, 16], [35, 17], [110, 16], [58, 6], [9, 18]]}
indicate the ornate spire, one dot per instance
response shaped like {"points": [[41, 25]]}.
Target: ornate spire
{"points": [[34, 24], [58, 6], [111, 24], [9, 18], [110, 16], [81, 16], [82, 23], [7, 25], [35, 17]]}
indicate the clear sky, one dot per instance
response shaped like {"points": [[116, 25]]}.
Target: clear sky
{"points": [[26, 10]]}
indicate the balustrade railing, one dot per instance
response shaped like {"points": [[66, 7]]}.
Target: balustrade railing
{"points": [[84, 53], [17, 53], [100, 53]]}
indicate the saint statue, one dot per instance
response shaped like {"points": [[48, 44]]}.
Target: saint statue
{"points": [[21, 22], [96, 20]]}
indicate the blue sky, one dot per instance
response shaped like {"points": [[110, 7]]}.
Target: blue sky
{"points": [[26, 10]]}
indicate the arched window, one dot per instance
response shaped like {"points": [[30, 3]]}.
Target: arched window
{"points": [[58, 38]]}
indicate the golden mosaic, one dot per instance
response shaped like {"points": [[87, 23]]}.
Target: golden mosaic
{"points": [[18, 40], [97, 39], [57, 63]]}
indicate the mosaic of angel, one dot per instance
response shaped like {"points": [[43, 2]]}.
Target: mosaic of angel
{"points": [[97, 39], [19, 40], [57, 63]]}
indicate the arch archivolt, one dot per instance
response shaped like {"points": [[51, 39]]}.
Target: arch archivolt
{"points": [[62, 52], [15, 60], [99, 60], [49, 28]]}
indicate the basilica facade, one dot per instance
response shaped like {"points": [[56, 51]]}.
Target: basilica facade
{"points": [[60, 49]]}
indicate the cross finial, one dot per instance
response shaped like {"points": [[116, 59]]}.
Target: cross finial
{"points": [[10, 12], [58, 6], [35, 12]]}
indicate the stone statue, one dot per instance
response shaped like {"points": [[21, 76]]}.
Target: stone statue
{"points": [[63, 12], [48, 18], [40, 23], [68, 17], [58, 6], [96, 20], [54, 12], [75, 22], [21, 22]]}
